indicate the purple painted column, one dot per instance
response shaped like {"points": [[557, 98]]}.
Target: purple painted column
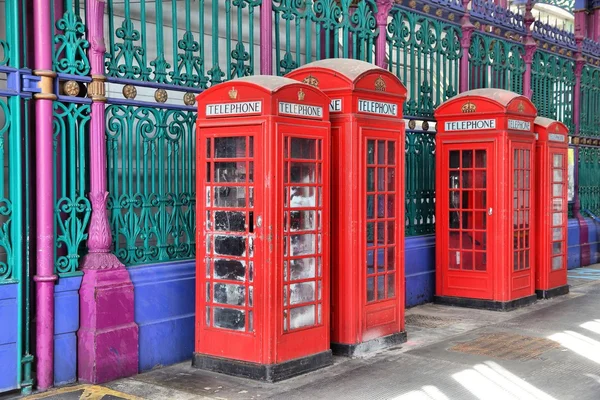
{"points": [[383, 10], [45, 276], [108, 336], [465, 42], [266, 38], [530, 48], [580, 34]]}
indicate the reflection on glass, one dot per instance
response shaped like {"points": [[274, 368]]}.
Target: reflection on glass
{"points": [[370, 261], [302, 292], [480, 159], [454, 180], [230, 147], [303, 148], [230, 196], [208, 152], [302, 316], [229, 269], [557, 160], [302, 220], [234, 295], [381, 287], [381, 179], [557, 248], [230, 245], [557, 263], [467, 179], [228, 318], [302, 244], [370, 234], [557, 204], [302, 268], [557, 234], [302, 172], [370, 179], [381, 152], [391, 258], [370, 152], [302, 196], [391, 285], [370, 289], [230, 171], [381, 205], [454, 159], [391, 230], [230, 221], [467, 159], [391, 179], [391, 206], [391, 153], [557, 218], [557, 189]]}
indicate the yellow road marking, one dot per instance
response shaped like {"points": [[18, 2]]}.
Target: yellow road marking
{"points": [[90, 392]]}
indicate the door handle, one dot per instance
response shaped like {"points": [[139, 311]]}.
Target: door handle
{"points": [[490, 211]]}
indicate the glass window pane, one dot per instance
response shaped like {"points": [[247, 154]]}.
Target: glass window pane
{"points": [[453, 182], [208, 152], [302, 316], [370, 289], [391, 179], [230, 147], [558, 175], [381, 205], [381, 179], [391, 153], [557, 218], [230, 196], [391, 232], [302, 244], [557, 248], [370, 152], [303, 148], [302, 269], [370, 179], [230, 171], [454, 199], [370, 206], [454, 159], [302, 220], [557, 204], [381, 152], [391, 285], [370, 261], [381, 287], [480, 159], [302, 292], [557, 160], [480, 179], [391, 205], [557, 263], [228, 318], [302, 172], [302, 196], [231, 221], [557, 234], [467, 179], [234, 295], [391, 258], [229, 269], [557, 189], [480, 261], [467, 159], [230, 245]]}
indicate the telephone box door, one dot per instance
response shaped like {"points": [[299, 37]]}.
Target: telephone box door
{"points": [[558, 166], [229, 182], [469, 195]]}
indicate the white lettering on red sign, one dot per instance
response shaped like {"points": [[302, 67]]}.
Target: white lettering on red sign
{"points": [[245, 107], [477, 124], [519, 125], [377, 107], [335, 105], [555, 137], [301, 110]]}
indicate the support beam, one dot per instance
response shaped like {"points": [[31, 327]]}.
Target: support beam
{"points": [[383, 11]]}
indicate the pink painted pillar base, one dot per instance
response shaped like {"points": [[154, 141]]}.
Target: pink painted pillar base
{"points": [[108, 336]]}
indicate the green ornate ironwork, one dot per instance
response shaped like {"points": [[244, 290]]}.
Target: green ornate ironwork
{"points": [[424, 53], [70, 56], [495, 63], [72, 208], [152, 42], [307, 30], [589, 117], [151, 181], [589, 179], [553, 85], [420, 183]]}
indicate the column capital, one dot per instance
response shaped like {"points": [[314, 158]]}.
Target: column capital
{"points": [[383, 11]]}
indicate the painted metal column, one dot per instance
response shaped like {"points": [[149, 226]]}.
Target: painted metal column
{"points": [[383, 11], [530, 48], [45, 276], [465, 43], [580, 34], [266, 38], [108, 336]]}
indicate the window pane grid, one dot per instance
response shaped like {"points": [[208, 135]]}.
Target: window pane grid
{"points": [[381, 219], [468, 205], [303, 230], [559, 212], [229, 226], [521, 209]]}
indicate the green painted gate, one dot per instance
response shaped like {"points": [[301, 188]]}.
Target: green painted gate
{"points": [[15, 83]]}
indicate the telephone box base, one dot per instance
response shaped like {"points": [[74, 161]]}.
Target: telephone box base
{"points": [[261, 372], [557, 291], [351, 350], [485, 304]]}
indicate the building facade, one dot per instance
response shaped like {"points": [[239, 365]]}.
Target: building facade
{"points": [[97, 116]]}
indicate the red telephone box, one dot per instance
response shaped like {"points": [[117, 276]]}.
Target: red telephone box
{"points": [[484, 216], [551, 212], [367, 267], [262, 294]]}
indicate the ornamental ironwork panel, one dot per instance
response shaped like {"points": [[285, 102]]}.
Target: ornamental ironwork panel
{"points": [[495, 63], [589, 116], [186, 43], [424, 53], [151, 182], [589, 179], [308, 30], [553, 85], [496, 14], [71, 117], [553, 35], [420, 183]]}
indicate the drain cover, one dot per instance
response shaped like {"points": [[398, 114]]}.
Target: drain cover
{"points": [[507, 346], [428, 321]]}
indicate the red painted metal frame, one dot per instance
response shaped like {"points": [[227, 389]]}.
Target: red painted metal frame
{"points": [[264, 342], [509, 226], [551, 254], [360, 314]]}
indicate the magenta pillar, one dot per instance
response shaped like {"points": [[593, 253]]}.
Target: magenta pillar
{"points": [[383, 10], [44, 277], [465, 42], [108, 335], [266, 38], [530, 48]]}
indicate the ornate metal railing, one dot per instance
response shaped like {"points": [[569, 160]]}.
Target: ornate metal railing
{"points": [[553, 85], [495, 63], [553, 36], [589, 178], [424, 53], [71, 146], [490, 12], [307, 30], [420, 183], [589, 117]]}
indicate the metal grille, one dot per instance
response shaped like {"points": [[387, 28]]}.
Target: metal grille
{"points": [[429, 321], [506, 346]]}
